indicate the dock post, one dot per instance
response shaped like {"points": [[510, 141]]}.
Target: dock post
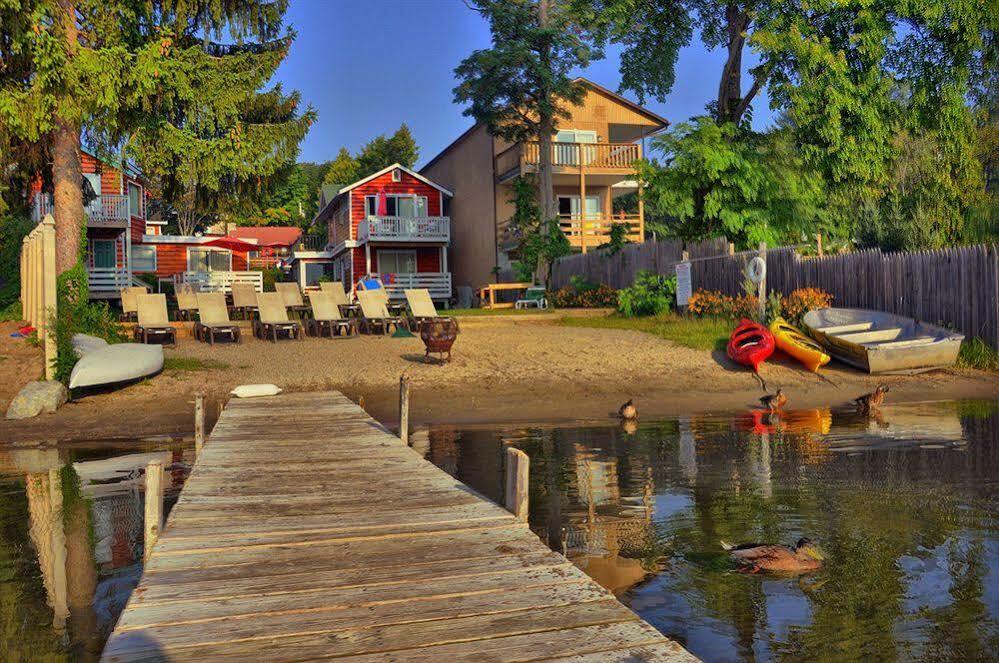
{"points": [[154, 506], [517, 488], [199, 423], [404, 409], [763, 286]]}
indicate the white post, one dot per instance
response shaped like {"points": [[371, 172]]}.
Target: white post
{"points": [[154, 506], [517, 486], [404, 409], [763, 286], [199, 424]]}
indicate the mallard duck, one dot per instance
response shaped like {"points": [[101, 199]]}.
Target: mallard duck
{"points": [[873, 400], [628, 411], [774, 402], [754, 557]]}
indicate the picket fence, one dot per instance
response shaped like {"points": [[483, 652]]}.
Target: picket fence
{"points": [[38, 287]]}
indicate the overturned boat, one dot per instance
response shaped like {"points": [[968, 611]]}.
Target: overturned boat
{"points": [[879, 342]]}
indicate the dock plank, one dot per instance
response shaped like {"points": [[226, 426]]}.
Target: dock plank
{"points": [[306, 530]]}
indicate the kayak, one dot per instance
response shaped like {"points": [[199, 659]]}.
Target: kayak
{"points": [[751, 344], [799, 346]]}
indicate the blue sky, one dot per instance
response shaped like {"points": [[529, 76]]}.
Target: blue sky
{"points": [[369, 66]]}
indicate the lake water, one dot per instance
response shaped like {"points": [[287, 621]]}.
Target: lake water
{"points": [[903, 506]]}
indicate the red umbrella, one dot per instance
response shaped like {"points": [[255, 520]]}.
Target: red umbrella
{"points": [[232, 243], [382, 204]]}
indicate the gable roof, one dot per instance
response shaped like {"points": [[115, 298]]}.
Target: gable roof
{"points": [[268, 235], [388, 169]]}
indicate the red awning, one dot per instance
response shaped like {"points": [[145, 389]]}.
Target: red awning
{"points": [[232, 244]]}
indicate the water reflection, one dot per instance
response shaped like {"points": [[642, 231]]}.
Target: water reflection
{"points": [[71, 528], [902, 503]]}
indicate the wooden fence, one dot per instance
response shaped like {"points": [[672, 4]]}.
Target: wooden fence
{"points": [[38, 287], [619, 270], [957, 287]]}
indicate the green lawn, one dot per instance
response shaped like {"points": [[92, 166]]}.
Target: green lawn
{"points": [[466, 312], [697, 333], [192, 364], [975, 353]]}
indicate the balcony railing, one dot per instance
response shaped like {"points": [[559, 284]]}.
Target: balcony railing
{"points": [[590, 156], [590, 233], [103, 212], [219, 281], [311, 243], [438, 283], [404, 229], [107, 281]]}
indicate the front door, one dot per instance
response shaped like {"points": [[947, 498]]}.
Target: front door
{"points": [[105, 253]]}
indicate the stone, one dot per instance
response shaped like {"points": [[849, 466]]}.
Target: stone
{"points": [[37, 397]]}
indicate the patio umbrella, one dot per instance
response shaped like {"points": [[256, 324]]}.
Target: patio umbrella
{"points": [[382, 204], [232, 243]]}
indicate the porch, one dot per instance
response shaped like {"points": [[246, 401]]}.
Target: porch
{"points": [[437, 283], [568, 157], [103, 212], [404, 229]]}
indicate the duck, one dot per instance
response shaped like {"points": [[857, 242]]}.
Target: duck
{"points": [[756, 557], [628, 411], [873, 400], [774, 402]]}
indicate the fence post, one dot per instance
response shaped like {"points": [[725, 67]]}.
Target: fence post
{"points": [[199, 424], [154, 506], [763, 286], [818, 243], [49, 295], [517, 486], [404, 409]]}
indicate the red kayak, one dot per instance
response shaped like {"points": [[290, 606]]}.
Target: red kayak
{"points": [[751, 344]]}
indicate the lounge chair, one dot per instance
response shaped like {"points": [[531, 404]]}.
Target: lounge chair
{"points": [[129, 307], [244, 300], [336, 289], [273, 318], [213, 319], [326, 316], [292, 298], [534, 296], [421, 308], [376, 315], [187, 302], [374, 284], [153, 320]]}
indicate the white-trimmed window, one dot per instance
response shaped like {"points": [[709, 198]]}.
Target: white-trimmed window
{"points": [[396, 261], [200, 259], [143, 258], [134, 200], [396, 175], [404, 205]]}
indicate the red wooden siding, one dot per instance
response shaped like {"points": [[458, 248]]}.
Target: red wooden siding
{"points": [[172, 259], [408, 184], [428, 259]]}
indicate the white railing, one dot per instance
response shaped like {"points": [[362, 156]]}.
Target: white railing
{"points": [[438, 283], [103, 212], [219, 281], [405, 229], [108, 281]]}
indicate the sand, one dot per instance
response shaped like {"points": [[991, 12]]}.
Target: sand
{"points": [[504, 369]]}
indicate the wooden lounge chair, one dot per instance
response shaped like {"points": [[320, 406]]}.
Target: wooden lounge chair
{"points": [[292, 298], [213, 319], [129, 306], [340, 298], [374, 285], [153, 320], [187, 302], [326, 316], [244, 300], [421, 308], [376, 315], [273, 318]]}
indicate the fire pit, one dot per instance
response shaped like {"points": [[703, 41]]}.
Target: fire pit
{"points": [[438, 336]]}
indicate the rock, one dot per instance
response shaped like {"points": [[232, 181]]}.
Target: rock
{"points": [[37, 397]]}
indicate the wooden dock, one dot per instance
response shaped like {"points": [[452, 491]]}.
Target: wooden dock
{"points": [[306, 530]]}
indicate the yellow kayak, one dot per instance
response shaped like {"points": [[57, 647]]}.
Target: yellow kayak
{"points": [[799, 346]]}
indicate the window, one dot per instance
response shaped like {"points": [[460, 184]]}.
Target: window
{"points": [[569, 154], [397, 175], [396, 262], [143, 258], [313, 272], [568, 207], [208, 260], [134, 200], [105, 254], [398, 205]]}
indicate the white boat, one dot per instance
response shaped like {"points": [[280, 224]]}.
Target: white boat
{"points": [[879, 342], [122, 362]]}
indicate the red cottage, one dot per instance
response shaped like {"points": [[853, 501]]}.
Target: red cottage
{"points": [[394, 225]]}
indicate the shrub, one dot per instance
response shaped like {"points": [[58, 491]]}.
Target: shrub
{"points": [[793, 307], [582, 293], [270, 276], [803, 300], [13, 228], [649, 294], [76, 314]]}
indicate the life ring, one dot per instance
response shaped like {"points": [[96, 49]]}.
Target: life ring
{"points": [[756, 270]]}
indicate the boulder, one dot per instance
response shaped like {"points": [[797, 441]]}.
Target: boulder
{"points": [[37, 397]]}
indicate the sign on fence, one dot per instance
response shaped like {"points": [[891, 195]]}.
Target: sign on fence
{"points": [[684, 286]]}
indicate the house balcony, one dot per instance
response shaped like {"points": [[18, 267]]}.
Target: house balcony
{"points": [[102, 212], [437, 283], [595, 158], [433, 229], [590, 233]]}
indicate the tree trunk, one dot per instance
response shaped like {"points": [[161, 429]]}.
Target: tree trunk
{"points": [[67, 173], [546, 128], [730, 108]]}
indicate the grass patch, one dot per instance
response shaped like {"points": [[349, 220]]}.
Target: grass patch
{"points": [[192, 364], [698, 333], [976, 353], [466, 312], [12, 312]]}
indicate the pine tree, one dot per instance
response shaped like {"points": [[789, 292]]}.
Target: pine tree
{"points": [[382, 152], [132, 74], [342, 170]]}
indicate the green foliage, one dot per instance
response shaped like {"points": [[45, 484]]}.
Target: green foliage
{"points": [[617, 238], [382, 152], [270, 276], [191, 364], [75, 314], [583, 293], [342, 170], [705, 334], [976, 353], [750, 190], [12, 312], [539, 243], [649, 294], [13, 229]]}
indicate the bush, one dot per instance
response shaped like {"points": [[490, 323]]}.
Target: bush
{"points": [[976, 353], [271, 275], [803, 300], [649, 294], [793, 307], [581, 293], [13, 228], [75, 314]]}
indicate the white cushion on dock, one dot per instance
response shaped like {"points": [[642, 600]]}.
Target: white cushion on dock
{"points": [[251, 390]]}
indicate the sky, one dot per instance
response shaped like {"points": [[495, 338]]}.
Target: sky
{"points": [[367, 66]]}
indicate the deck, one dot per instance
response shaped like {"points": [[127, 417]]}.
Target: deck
{"points": [[306, 530]]}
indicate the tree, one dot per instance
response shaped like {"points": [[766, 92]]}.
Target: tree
{"points": [[539, 243], [343, 170], [131, 73], [521, 86], [382, 152]]}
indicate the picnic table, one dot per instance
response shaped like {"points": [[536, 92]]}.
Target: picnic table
{"points": [[489, 293]]}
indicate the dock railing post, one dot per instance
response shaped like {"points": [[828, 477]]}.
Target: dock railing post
{"points": [[517, 487], [404, 409], [763, 286], [199, 423], [154, 506]]}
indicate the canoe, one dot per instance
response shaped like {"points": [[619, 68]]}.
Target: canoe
{"points": [[794, 343], [750, 344], [879, 342], [122, 362]]}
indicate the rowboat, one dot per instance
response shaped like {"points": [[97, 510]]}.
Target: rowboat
{"points": [[750, 344], [794, 343], [879, 342]]}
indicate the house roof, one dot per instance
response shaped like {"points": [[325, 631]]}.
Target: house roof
{"points": [[268, 235], [585, 81], [396, 166]]}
